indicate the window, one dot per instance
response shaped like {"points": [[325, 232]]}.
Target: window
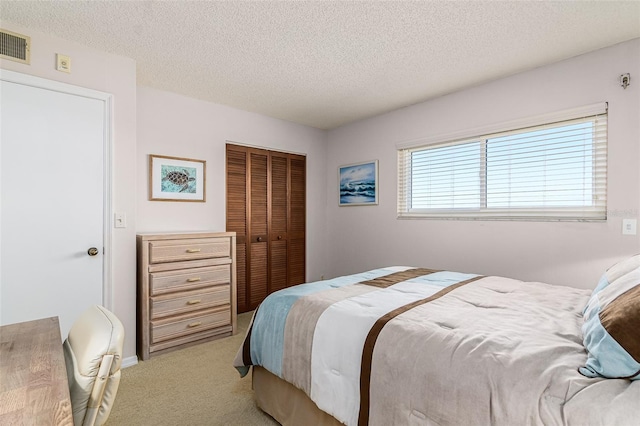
{"points": [[553, 171]]}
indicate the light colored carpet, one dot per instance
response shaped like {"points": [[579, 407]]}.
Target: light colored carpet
{"points": [[192, 386]]}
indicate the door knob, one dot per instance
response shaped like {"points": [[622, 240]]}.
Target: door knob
{"points": [[259, 239], [92, 251], [279, 237]]}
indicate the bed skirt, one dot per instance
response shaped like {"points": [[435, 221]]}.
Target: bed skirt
{"points": [[286, 403]]}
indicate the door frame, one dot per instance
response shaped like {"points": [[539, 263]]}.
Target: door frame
{"points": [[107, 213]]}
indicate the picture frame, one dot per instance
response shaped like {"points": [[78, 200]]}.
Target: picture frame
{"points": [[358, 184], [176, 179]]}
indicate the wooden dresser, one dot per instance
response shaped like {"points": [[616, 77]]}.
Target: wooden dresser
{"points": [[186, 289]]}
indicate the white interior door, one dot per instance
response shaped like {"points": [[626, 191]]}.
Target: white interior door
{"points": [[52, 146]]}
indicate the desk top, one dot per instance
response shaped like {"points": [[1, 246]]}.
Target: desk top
{"points": [[33, 377]]}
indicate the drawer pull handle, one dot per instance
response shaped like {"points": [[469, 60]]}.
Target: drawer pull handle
{"points": [[193, 250], [193, 280], [194, 324], [194, 302]]}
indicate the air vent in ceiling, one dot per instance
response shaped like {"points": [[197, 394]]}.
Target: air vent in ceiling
{"points": [[14, 46]]}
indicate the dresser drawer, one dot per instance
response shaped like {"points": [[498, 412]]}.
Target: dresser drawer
{"points": [[178, 326], [179, 303], [188, 279], [191, 249]]}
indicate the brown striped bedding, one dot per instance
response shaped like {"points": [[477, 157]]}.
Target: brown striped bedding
{"points": [[404, 346]]}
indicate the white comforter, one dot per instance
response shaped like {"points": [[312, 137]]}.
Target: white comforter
{"points": [[490, 351]]}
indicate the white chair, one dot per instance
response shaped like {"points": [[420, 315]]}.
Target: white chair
{"points": [[93, 355]]}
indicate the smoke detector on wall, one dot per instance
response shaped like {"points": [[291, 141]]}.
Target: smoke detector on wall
{"points": [[14, 46]]}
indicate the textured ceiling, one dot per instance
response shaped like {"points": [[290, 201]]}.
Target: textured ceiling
{"points": [[327, 63]]}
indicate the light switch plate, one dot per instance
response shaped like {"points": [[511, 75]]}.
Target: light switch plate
{"points": [[120, 220], [629, 226]]}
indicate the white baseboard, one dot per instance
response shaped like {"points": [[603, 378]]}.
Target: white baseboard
{"points": [[129, 362]]}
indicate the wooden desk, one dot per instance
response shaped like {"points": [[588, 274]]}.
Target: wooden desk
{"points": [[33, 377]]}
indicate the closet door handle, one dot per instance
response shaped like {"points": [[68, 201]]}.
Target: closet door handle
{"points": [[279, 237], [259, 239]]}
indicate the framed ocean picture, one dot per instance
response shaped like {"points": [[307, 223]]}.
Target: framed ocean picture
{"points": [[176, 179], [358, 184]]}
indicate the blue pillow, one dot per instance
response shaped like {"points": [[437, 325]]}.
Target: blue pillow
{"points": [[611, 329]]}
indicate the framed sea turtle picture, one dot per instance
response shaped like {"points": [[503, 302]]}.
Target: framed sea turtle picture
{"points": [[176, 179]]}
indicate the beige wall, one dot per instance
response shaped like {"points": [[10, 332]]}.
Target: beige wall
{"points": [[148, 121], [559, 253], [116, 75], [178, 126]]}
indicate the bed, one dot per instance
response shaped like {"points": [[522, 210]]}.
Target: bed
{"points": [[414, 346]]}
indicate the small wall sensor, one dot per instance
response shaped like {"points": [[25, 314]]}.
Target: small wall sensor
{"points": [[625, 80], [63, 63]]}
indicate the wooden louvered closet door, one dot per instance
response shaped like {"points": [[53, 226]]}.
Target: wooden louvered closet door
{"points": [[266, 194], [237, 218], [279, 220], [258, 226], [297, 221]]}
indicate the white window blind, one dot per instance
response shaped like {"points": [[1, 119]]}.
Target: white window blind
{"points": [[552, 171]]}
